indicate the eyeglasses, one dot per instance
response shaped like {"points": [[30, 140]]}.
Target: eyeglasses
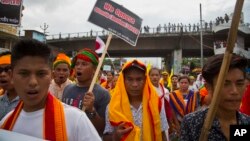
{"points": [[5, 69]]}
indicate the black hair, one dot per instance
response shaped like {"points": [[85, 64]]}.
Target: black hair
{"points": [[174, 76], [112, 72], [5, 53], [154, 68], [184, 77], [30, 47], [212, 67]]}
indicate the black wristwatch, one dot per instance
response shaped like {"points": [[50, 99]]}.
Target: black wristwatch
{"points": [[91, 115]]}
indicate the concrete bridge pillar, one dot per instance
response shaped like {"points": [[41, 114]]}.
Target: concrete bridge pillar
{"points": [[177, 60], [167, 62]]}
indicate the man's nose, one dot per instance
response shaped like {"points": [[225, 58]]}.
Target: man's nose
{"points": [[234, 89], [33, 81]]}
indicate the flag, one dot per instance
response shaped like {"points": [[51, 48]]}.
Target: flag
{"points": [[169, 78], [99, 45], [149, 67]]}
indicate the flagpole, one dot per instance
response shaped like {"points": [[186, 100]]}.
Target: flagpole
{"points": [[99, 65], [111, 62], [201, 36]]}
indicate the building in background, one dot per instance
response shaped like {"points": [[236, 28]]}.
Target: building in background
{"points": [[8, 35], [33, 34]]}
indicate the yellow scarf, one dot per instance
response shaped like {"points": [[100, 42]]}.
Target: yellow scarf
{"points": [[119, 111], [54, 127]]}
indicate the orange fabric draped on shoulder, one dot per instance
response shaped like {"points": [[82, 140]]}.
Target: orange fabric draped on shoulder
{"points": [[119, 111], [1, 91], [54, 127], [104, 84], [161, 81]]}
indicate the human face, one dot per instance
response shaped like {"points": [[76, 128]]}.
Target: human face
{"points": [[174, 80], [192, 80], [31, 78], [84, 71], [165, 76], [134, 81], [61, 73], [155, 77], [183, 84], [109, 77], [115, 78], [232, 90], [5, 73]]}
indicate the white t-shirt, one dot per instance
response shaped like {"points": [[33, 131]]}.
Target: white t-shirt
{"points": [[78, 126]]}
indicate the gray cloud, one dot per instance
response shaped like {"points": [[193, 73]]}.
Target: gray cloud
{"points": [[70, 16]]}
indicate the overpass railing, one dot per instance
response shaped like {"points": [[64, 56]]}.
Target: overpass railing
{"points": [[144, 31]]}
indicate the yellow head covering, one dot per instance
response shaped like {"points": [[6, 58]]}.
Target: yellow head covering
{"points": [[164, 73], [191, 77], [62, 58], [119, 109], [5, 59]]}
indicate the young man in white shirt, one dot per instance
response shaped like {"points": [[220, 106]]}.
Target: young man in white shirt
{"points": [[38, 109]]}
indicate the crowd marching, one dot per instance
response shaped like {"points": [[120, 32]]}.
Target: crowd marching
{"points": [[48, 97]]}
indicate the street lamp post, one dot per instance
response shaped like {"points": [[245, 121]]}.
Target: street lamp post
{"points": [[44, 28]]}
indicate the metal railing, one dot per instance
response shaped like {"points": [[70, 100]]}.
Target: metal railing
{"points": [[145, 30], [92, 33]]}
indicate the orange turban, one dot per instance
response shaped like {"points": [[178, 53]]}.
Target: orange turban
{"points": [[5, 59], [62, 58]]}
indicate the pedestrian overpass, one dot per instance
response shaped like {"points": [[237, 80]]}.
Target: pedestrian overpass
{"points": [[171, 45]]}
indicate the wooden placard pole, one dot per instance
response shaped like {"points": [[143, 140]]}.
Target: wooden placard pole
{"points": [[99, 65], [223, 71]]}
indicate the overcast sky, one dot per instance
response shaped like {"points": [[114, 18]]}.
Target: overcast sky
{"points": [[70, 16]]}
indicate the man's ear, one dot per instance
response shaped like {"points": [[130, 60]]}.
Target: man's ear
{"points": [[209, 88]]}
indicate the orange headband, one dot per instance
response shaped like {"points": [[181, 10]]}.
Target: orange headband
{"points": [[5, 59]]}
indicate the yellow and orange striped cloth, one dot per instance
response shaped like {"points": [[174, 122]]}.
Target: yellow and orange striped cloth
{"points": [[119, 111], [178, 104]]}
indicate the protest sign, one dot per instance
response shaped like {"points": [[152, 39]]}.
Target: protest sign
{"points": [[116, 19], [10, 11]]}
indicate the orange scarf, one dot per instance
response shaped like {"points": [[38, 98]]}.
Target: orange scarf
{"points": [[106, 86], [53, 121], [163, 82], [5, 59], [203, 93], [178, 104], [1, 91], [119, 111]]}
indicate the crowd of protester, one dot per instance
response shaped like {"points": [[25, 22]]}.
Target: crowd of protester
{"points": [[51, 95], [178, 28]]}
